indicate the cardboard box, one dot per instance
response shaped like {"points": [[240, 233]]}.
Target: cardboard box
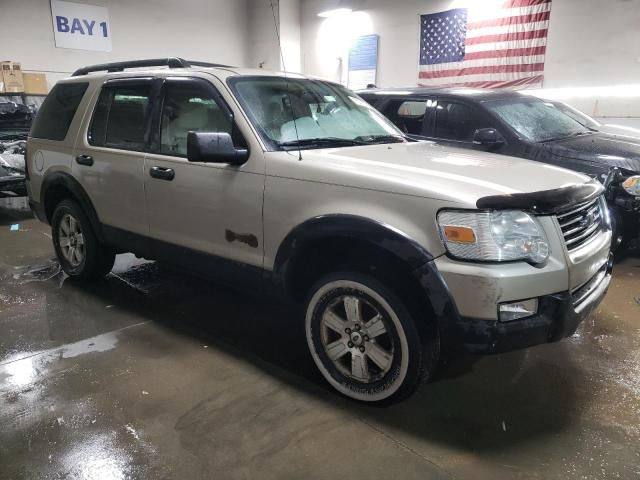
{"points": [[35, 83], [11, 78]]}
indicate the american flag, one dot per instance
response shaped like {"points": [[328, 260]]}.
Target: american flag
{"points": [[485, 47]]}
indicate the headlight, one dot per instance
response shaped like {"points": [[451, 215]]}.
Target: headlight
{"points": [[632, 185], [498, 236]]}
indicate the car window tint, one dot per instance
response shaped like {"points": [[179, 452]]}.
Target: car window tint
{"points": [[57, 111], [410, 116], [412, 109], [186, 108], [121, 116], [455, 121]]}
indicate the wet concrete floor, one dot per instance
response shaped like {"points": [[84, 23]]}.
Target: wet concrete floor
{"points": [[154, 374]]}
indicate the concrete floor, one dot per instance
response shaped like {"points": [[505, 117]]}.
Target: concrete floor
{"points": [[151, 374]]}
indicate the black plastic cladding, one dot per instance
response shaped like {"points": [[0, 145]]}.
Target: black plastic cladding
{"points": [[546, 202], [65, 180], [349, 226]]}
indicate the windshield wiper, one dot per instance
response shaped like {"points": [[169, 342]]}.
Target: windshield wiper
{"points": [[371, 139], [564, 137], [322, 142]]}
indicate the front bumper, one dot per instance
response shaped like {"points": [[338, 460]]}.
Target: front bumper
{"points": [[559, 315]]}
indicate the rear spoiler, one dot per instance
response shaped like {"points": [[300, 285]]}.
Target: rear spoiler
{"points": [[546, 202]]}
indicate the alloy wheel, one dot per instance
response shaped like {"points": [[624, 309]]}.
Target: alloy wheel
{"points": [[355, 337], [71, 240]]}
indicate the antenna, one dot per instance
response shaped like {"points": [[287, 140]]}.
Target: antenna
{"points": [[286, 79]]}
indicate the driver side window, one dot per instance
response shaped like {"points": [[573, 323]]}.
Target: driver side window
{"points": [[455, 121], [188, 107]]}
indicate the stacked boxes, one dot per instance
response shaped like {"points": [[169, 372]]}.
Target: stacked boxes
{"points": [[13, 80]]}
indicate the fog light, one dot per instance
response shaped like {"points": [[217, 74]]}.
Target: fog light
{"points": [[515, 310]]}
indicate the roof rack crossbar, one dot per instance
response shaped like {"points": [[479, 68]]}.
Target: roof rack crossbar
{"points": [[171, 62]]}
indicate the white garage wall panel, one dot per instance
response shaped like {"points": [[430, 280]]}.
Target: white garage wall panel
{"points": [[263, 41], [208, 30], [590, 42], [264, 50]]}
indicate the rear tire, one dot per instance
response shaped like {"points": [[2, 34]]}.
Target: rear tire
{"points": [[364, 340], [79, 251]]}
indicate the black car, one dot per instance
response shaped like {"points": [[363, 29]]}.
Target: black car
{"points": [[524, 126]]}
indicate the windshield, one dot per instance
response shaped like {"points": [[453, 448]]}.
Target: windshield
{"points": [[578, 116], [536, 120], [302, 113]]}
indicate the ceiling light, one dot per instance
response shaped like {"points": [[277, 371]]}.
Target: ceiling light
{"points": [[335, 12]]}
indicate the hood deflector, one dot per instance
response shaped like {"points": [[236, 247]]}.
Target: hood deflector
{"points": [[546, 202]]}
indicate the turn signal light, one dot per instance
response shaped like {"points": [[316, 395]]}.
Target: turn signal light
{"points": [[459, 234]]}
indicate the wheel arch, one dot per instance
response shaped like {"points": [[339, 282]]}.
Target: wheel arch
{"points": [[58, 186], [331, 232], [413, 272]]}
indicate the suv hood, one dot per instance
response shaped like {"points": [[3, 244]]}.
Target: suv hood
{"points": [[434, 171], [600, 148]]}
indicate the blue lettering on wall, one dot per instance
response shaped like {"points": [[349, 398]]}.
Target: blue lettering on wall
{"points": [[89, 26], [76, 26], [62, 25]]}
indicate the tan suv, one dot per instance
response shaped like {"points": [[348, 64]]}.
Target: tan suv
{"points": [[398, 249]]}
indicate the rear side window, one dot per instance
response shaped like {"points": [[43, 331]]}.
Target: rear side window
{"points": [[412, 109], [57, 111], [410, 116], [121, 117]]}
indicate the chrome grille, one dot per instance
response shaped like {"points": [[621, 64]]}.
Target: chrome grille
{"points": [[581, 223]]}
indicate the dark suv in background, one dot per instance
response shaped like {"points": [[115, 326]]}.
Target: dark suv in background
{"points": [[519, 125]]}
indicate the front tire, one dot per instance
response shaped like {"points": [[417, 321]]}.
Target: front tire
{"points": [[363, 339], [77, 247]]}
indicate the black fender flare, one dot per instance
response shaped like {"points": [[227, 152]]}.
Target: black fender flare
{"points": [[420, 261], [386, 237], [347, 226], [67, 181]]}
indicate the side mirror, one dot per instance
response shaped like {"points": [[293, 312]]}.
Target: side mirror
{"points": [[489, 138], [214, 147]]}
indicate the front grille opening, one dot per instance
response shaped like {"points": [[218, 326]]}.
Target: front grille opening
{"points": [[581, 223]]}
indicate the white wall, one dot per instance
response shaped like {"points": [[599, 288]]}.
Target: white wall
{"points": [[290, 34], [590, 42], [207, 30], [593, 43], [263, 39]]}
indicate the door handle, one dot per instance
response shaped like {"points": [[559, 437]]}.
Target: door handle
{"points": [[162, 173], [86, 160]]}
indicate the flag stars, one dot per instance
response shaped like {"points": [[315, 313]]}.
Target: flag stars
{"points": [[443, 37]]}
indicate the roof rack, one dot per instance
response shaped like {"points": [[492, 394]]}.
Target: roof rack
{"points": [[171, 62]]}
